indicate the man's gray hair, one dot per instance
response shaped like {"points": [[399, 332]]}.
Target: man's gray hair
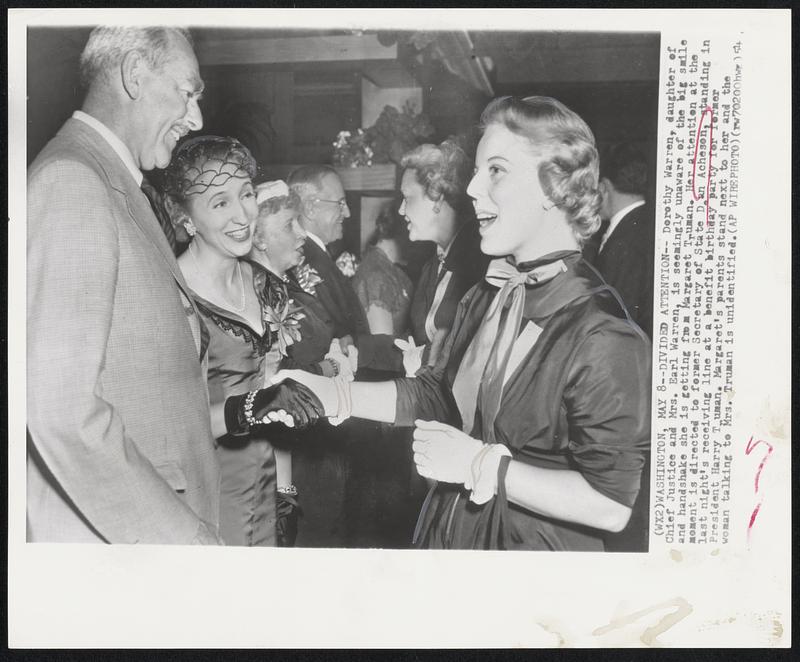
{"points": [[107, 45], [307, 180]]}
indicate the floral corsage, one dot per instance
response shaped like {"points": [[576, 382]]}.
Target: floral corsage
{"points": [[347, 264], [284, 323], [307, 277]]}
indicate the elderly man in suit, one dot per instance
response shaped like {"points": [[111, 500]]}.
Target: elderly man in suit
{"points": [[322, 464], [119, 442], [623, 248]]}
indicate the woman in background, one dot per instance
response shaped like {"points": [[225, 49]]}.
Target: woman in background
{"points": [[383, 288], [278, 242], [535, 419], [437, 208]]}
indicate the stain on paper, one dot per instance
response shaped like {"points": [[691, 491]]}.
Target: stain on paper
{"points": [[649, 635]]}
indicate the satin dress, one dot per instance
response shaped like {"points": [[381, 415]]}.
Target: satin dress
{"points": [[578, 400], [239, 359]]}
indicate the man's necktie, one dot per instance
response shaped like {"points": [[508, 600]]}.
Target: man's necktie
{"points": [[160, 213]]}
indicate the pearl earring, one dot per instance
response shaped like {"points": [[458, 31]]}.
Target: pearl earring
{"points": [[191, 230]]}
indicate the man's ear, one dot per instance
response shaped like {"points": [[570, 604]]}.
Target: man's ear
{"points": [[307, 208], [132, 69], [602, 186]]}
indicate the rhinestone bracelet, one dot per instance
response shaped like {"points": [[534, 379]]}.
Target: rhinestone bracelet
{"points": [[248, 411]]}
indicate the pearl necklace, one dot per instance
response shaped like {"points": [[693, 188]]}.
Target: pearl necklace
{"points": [[243, 305]]}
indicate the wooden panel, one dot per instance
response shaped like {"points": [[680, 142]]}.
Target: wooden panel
{"points": [[381, 177], [264, 50]]}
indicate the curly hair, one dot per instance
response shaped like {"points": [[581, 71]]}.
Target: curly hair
{"points": [[565, 145], [443, 171]]}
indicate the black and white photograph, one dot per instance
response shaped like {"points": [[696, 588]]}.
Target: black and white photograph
{"points": [[393, 300]]}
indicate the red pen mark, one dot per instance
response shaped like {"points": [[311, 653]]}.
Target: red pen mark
{"points": [[710, 112], [751, 446]]}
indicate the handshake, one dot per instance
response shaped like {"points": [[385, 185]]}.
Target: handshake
{"points": [[289, 402], [294, 397]]}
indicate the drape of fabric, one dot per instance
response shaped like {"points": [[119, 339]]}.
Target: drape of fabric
{"points": [[482, 370], [579, 400]]}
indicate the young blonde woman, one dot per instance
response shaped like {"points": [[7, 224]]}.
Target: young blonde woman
{"points": [[535, 419]]}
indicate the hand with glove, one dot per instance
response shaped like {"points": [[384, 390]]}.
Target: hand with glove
{"points": [[447, 454], [289, 403], [412, 355], [342, 361], [323, 388]]}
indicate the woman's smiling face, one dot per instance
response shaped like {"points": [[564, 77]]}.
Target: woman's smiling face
{"points": [[224, 216], [508, 198]]}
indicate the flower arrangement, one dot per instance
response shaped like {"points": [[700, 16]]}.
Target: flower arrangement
{"points": [[351, 150], [394, 133]]}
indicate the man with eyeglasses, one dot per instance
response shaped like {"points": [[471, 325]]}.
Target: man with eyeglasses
{"points": [[322, 214], [321, 461]]}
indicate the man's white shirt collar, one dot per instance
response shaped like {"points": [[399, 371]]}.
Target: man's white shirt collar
{"points": [[616, 218], [316, 240], [116, 144]]}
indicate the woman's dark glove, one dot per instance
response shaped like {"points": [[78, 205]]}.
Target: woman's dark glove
{"points": [[288, 402]]}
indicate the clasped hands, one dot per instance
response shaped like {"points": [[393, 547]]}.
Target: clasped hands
{"points": [[289, 402]]}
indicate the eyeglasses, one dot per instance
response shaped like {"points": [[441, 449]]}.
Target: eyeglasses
{"points": [[342, 203]]}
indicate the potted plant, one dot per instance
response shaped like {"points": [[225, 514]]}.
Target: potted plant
{"points": [[368, 158]]}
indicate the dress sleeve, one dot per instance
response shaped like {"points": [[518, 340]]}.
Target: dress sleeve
{"points": [[375, 288], [428, 395], [608, 411]]}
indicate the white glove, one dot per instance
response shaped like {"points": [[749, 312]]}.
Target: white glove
{"points": [[341, 359], [412, 355], [323, 387], [445, 453], [352, 356]]}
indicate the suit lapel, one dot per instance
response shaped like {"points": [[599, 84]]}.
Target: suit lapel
{"points": [[137, 206]]}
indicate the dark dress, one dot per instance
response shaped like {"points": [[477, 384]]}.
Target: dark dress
{"points": [[580, 400], [319, 454], [238, 359], [464, 265]]}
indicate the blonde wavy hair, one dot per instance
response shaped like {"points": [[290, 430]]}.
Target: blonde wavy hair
{"points": [[565, 145], [443, 171]]}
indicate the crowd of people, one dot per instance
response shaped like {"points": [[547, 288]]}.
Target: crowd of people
{"points": [[200, 370]]}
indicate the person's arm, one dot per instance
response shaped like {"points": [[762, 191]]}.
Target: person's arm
{"points": [[607, 400], [565, 496], [608, 410], [79, 435]]}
